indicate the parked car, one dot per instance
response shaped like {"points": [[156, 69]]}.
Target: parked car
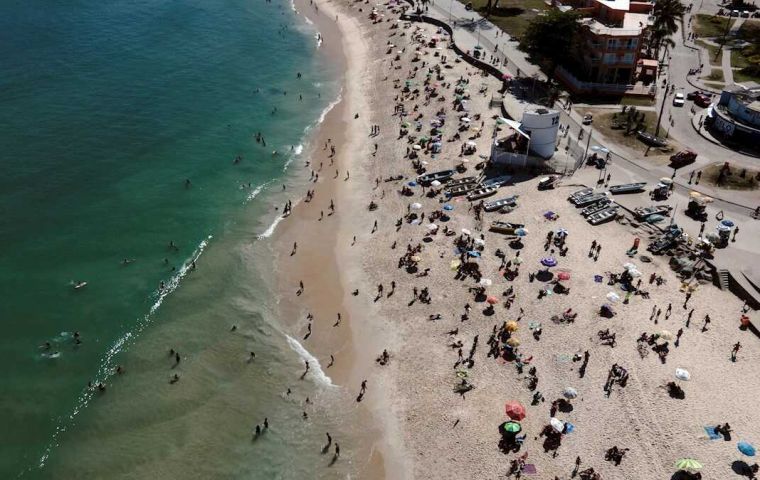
{"points": [[588, 119], [691, 95], [745, 14], [678, 100], [734, 13], [682, 158], [702, 101]]}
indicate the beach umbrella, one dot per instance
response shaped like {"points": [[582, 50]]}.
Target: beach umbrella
{"points": [[517, 261], [557, 424], [515, 410], [416, 258], [471, 144], [417, 147], [486, 282], [666, 334], [613, 297], [564, 276], [746, 448], [435, 183], [492, 300], [473, 253], [682, 374], [688, 464], [480, 241], [569, 427], [512, 326], [412, 183], [727, 222], [629, 266], [416, 206], [521, 232], [432, 227], [513, 342], [723, 228], [455, 264], [465, 119], [512, 427], [448, 207], [570, 393], [549, 262]]}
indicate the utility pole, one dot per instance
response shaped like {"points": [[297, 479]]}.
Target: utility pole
{"points": [[662, 108], [725, 33]]}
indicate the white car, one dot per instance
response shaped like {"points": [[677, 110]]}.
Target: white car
{"points": [[678, 100]]}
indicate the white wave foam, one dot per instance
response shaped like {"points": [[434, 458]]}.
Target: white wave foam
{"points": [[315, 369], [298, 149], [256, 191], [270, 230], [329, 107], [106, 367]]}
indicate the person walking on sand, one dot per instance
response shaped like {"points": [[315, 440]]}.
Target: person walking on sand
{"points": [[337, 452], [735, 350], [707, 322]]}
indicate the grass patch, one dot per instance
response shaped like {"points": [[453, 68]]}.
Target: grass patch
{"points": [[712, 51], [735, 178], [718, 85], [637, 101], [716, 75], [740, 76], [512, 16], [709, 26], [738, 59], [608, 123]]}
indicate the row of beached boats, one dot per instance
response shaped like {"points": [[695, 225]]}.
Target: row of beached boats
{"points": [[597, 208], [474, 188]]}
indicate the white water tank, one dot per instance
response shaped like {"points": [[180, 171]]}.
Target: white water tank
{"points": [[542, 125]]}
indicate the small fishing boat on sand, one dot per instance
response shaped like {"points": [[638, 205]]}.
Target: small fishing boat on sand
{"points": [[589, 199], [482, 192], [596, 207], [462, 189], [498, 204], [496, 181], [605, 215], [643, 212], [628, 188], [580, 193], [460, 181], [441, 176], [508, 228]]}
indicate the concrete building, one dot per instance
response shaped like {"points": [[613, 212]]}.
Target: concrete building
{"points": [[528, 142], [613, 37], [736, 116]]}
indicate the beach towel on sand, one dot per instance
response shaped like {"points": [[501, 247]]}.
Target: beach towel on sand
{"points": [[711, 433], [529, 469]]}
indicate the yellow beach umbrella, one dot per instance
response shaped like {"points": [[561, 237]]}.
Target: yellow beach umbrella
{"points": [[513, 342], [512, 326]]}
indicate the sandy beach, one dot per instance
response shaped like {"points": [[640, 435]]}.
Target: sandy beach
{"points": [[413, 422]]}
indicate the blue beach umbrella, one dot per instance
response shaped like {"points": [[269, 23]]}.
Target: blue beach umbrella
{"points": [[473, 253], [521, 232], [412, 183], [746, 448], [727, 222], [549, 262], [448, 207]]}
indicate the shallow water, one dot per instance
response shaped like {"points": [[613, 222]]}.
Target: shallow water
{"points": [[107, 108]]}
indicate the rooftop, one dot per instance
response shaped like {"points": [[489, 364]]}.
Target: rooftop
{"points": [[616, 4]]}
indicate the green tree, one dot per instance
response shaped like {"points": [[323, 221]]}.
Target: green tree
{"points": [[551, 37], [667, 14]]}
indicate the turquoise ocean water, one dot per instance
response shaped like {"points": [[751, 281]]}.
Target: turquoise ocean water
{"points": [[106, 108]]}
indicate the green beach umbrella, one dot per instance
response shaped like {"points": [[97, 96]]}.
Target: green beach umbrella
{"points": [[688, 464], [512, 427]]}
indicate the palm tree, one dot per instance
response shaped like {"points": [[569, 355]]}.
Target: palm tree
{"points": [[667, 14]]}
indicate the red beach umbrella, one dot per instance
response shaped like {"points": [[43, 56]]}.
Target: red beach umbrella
{"points": [[492, 300], [563, 275], [515, 410]]}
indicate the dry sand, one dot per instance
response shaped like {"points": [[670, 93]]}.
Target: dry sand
{"points": [[423, 428]]}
